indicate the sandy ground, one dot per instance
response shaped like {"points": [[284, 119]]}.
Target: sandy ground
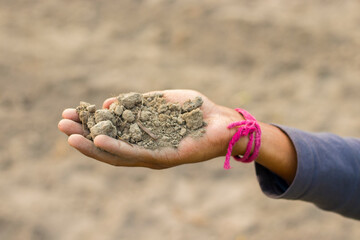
{"points": [[289, 62]]}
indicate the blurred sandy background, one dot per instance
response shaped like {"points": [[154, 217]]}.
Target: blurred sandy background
{"points": [[290, 62]]}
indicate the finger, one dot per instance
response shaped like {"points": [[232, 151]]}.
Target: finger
{"points": [[179, 95], [70, 127], [130, 153], [71, 114], [87, 147], [108, 102], [116, 147]]}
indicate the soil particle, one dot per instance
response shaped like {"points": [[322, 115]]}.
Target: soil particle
{"points": [[105, 128], [145, 116], [162, 117], [180, 120], [91, 108], [125, 137], [103, 115], [192, 104], [162, 108], [129, 100], [128, 116], [84, 104], [91, 121], [182, 131], [135, 133], [193, 119], [116, 108], [146, 120], [84, 116]]}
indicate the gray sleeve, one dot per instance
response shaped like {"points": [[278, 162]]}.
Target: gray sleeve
{"points": [[328, 173]]}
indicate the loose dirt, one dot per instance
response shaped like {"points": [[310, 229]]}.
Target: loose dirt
{"points": [[145, 120]]}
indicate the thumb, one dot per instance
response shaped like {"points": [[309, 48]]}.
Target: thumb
{"points": [[108, 102]]}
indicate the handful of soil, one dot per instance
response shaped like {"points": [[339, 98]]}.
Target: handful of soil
{"points": [[144, 120]]}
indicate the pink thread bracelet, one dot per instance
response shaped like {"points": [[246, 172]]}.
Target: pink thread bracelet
{"points": [[248, 127]]}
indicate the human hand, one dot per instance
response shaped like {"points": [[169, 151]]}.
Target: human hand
{"points": [[112, 151]]}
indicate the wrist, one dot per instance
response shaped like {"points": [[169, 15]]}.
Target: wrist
{"points": [[240, 146], [277, 152]]}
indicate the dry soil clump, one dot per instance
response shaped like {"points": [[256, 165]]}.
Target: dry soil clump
{"points": [[144, 120]]}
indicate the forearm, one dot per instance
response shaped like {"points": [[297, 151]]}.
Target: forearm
{"points": [[277, 153], [318, 168], [326, 175]]}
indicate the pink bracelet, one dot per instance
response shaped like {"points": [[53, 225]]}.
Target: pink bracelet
{"points": [[248, 127]]}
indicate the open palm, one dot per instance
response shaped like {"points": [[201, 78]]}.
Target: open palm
{"points": [[190, 150]]}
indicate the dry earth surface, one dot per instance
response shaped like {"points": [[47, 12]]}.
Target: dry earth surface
{"points": [[295, 63]]}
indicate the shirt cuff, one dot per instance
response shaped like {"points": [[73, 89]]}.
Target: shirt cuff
{"points": [[275, 187]]}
